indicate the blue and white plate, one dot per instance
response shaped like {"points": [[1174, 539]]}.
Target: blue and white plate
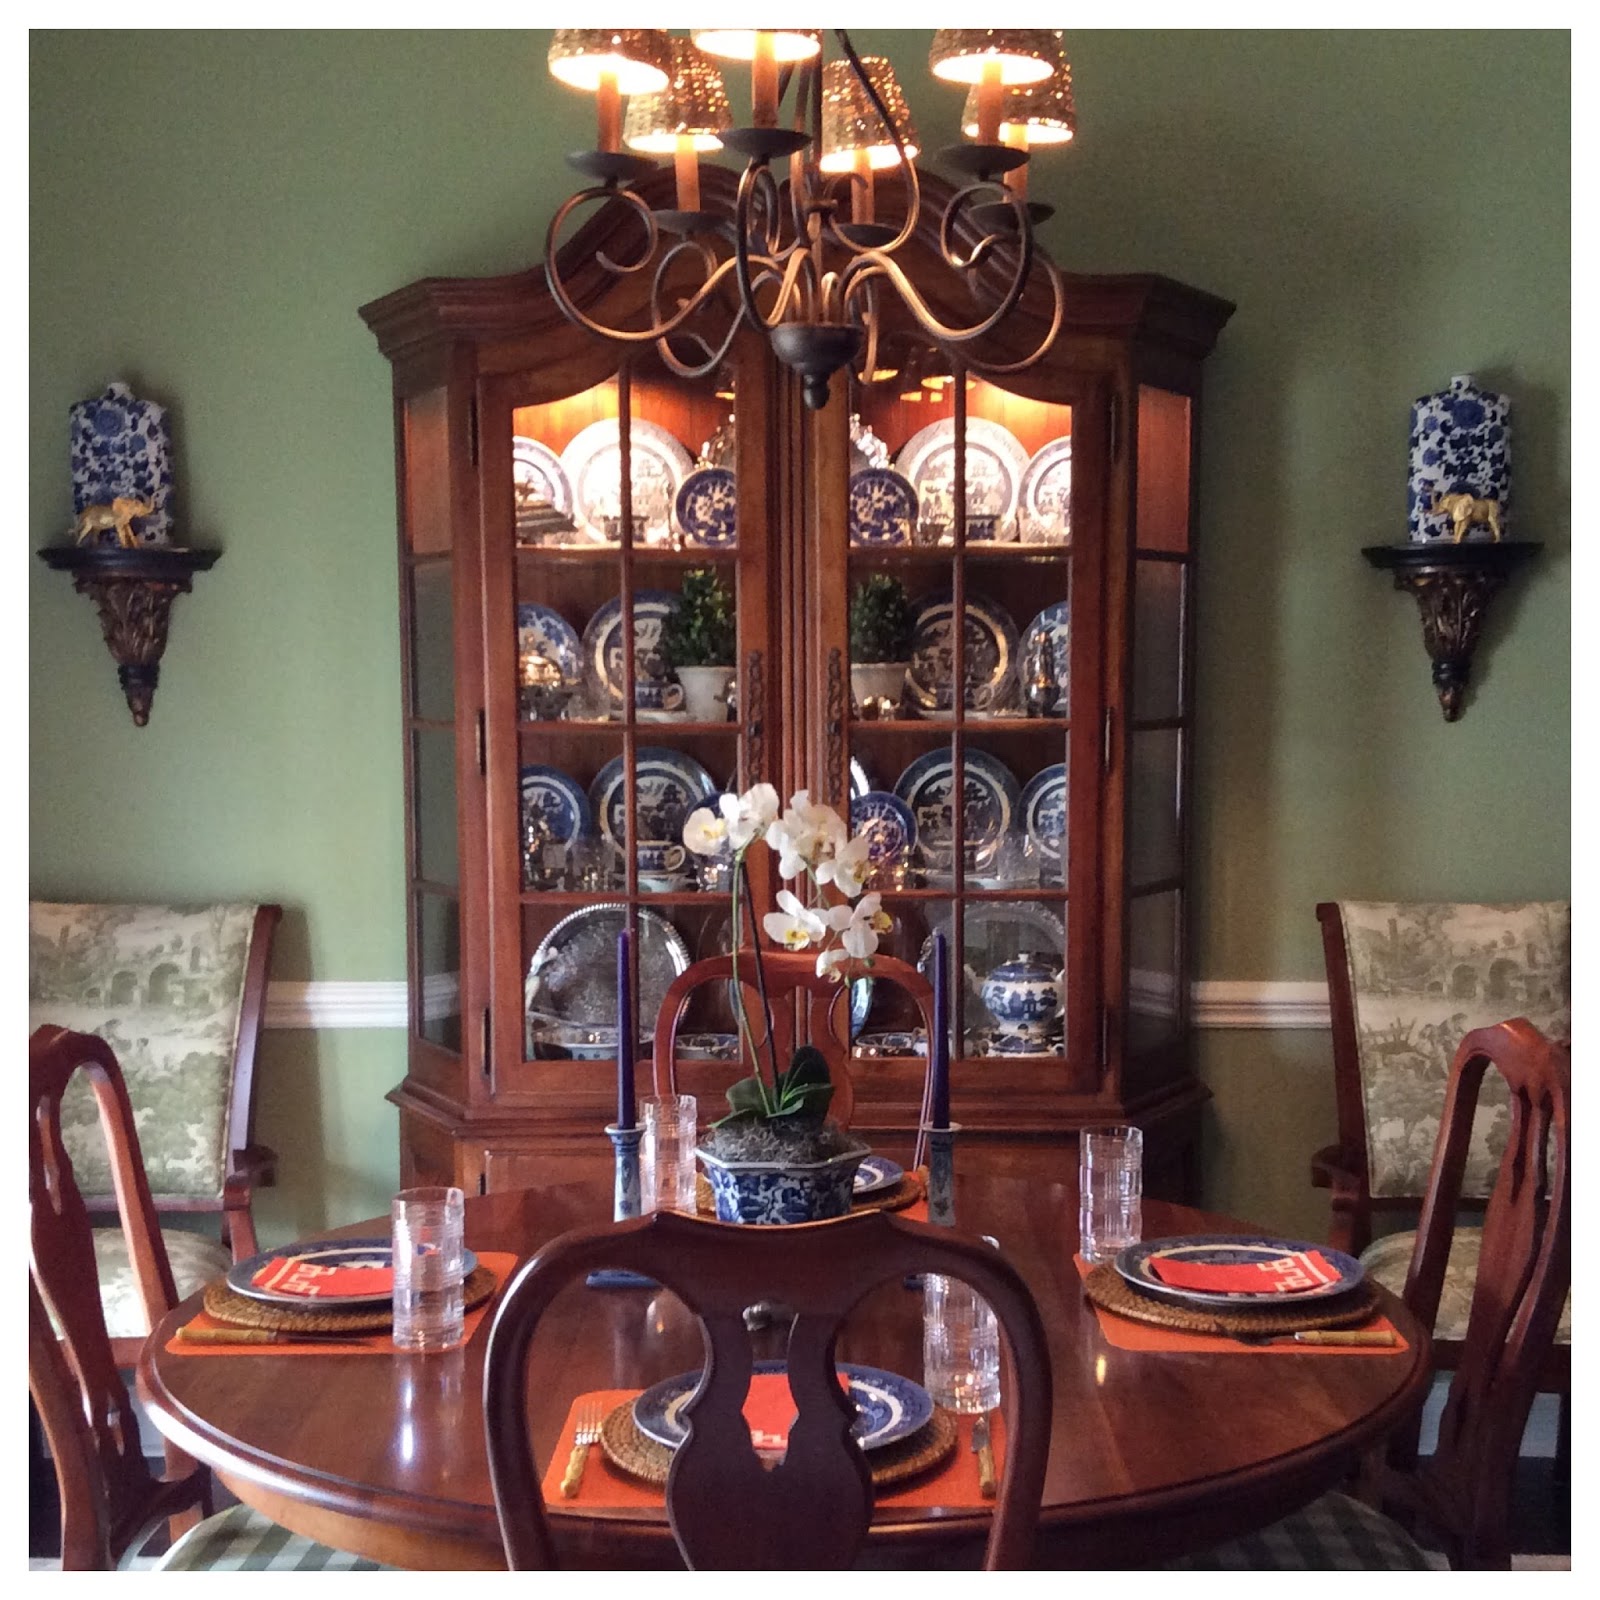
{"points": [[707, 508], [654, 685], [671, 784], [1055, 623], [593, 465], [538, 479], [991, 645], [877, 1173], [990, 802], [1047, 491], [858, 779], [558, 800], [1044, 812], [996, 461], [324, 1253], [888, 1407], [1231, 1249], [708, 1047], [890, 828], [543, 632], [891, 1042], [883, 507]]}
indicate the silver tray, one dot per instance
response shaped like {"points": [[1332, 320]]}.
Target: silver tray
{"points": [[572, 978]]}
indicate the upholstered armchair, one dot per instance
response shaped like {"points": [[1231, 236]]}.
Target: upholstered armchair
{"points": [[177, 992], [1406, 983]]}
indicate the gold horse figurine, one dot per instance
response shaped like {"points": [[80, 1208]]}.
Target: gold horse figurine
{"points": [[1464, 510], [119, 515]]}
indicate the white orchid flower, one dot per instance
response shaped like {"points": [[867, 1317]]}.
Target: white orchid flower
{"points": [[750, 814], [805, 835], [859, 928], [795, 926], [705, 833], [849, 867]]}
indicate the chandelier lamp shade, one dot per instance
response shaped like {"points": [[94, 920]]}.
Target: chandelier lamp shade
{"points": [[801, 249]]}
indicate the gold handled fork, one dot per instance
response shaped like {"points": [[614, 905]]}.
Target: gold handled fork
{"points": [[584, 1436]]}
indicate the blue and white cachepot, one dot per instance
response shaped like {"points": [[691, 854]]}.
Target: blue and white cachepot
{"points": [[122, 446], [1024, 995], [767, 1192], [1460, 444]]}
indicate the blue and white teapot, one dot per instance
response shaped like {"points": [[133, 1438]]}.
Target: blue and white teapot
{"points": [[1025, 995]]}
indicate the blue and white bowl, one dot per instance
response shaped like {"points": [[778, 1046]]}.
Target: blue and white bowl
{"points": [[764, 1192]]}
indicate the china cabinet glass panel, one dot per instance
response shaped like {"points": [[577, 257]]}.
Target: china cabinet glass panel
{"points": [[1163, 468], [1154, 954], [1158, 602], [425, 457], [432, 641], [1154, 823], [435, 821], [437, 998]]}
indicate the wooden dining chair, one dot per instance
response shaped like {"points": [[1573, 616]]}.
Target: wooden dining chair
{"points": [[794, 990], [727, 1510], [178, 993], [1461, 1494], [110, 1499]]}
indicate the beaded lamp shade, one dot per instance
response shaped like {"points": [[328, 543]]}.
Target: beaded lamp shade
{"points": [[739, 44], [640, 59], [693, 105], [1026, 55], [1046, 112], [850, 121]]}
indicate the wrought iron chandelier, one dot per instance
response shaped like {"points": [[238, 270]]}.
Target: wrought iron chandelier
{"points": [[807, 257]]}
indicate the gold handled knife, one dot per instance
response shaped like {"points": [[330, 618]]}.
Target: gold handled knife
{"points": [[1377, 1336], [985, 1453]]}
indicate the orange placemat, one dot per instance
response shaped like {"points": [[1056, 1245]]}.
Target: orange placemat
{"points": [[1124, 1334], [501, 1263], [954, 1482]]}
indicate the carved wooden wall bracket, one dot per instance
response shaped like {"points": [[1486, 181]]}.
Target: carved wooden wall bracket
{"points": [[1453, 584], [133, 591]]}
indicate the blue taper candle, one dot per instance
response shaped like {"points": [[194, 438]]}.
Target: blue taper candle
{"points": [[939, 1044], [627, 1112]]}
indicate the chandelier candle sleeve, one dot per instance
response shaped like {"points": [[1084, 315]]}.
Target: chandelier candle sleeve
{"points": [[627, 1112], [939, 1061], [764, 82], [989, 87]]}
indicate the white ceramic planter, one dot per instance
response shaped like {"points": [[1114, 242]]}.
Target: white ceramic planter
{"points": [[878, 680], [705, 692]]}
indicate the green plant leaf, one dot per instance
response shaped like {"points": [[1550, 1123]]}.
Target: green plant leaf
{"points": [[749, 1094], [808, 1066]]}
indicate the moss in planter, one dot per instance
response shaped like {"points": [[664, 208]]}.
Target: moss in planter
{"points": [[780, 1140]]}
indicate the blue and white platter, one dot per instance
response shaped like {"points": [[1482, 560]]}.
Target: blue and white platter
{"points": [[877, 1173], [325, 1253], [991, 646], [593, 465], [883, 508], [539, 480], [1044, 812], [671, 784], [888, 1407], [543, 632], [1047, 492], [654, 686], [1055, 624], [1232, 1249], [990, 802], [996, 461], [887, 822], [707, 508], [558, 799]]}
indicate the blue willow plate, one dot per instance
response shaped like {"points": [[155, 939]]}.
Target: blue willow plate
{"points": [[539, 480], [887, 822], [996, 461], [883, 507], [991, 801], [1232, 1249], [671, 784], [324, 1253], [858, 779], [592, 462], [558, 799], [602, 651], [543, 632], [888, 1407], [877, 1173], [1055, 624], [1044, 812], [707, 507], [991, 643], [1047, 490]]}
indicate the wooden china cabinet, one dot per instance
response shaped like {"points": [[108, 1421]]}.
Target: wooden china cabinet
{"points": [[511, 1079]]}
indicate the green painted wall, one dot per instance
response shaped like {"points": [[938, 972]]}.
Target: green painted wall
{"points": [[1377, 231]]}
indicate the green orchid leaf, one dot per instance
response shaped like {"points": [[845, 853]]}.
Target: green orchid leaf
{"points": [[809, 1066], [749, 1094]]}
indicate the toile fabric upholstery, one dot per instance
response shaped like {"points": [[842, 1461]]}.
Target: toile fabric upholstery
{"points": [[1332, 1534], [196, 1261], [1422, 976]]}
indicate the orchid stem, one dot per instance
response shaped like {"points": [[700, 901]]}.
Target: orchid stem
{"points": [[761, 972], [738, 988]]}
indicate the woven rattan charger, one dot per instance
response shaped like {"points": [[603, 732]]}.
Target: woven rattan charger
{"points": [[239, 1312], [648, 1460], [1109, 1290]]}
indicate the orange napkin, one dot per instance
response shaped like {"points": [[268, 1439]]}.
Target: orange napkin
{"points": [[308, 1278], [1293, 1273]]}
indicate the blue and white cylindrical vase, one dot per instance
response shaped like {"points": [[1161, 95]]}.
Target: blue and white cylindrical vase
{"points": [[122, 449], [1460, 445]]}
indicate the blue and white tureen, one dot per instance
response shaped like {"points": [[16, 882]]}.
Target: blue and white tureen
{"points": [[1025, 996]]}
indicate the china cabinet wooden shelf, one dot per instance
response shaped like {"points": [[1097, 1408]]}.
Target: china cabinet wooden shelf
{"points": [[512, 427]]}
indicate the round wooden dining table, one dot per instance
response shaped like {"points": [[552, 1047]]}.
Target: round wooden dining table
{"points": [[1152, 1454]]}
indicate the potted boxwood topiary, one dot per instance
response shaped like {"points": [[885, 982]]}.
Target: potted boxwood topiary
{"points": [[881, 625], [698, 641]]}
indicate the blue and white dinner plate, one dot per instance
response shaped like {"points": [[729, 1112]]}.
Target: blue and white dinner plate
{"points": [[883, 507], [593, 465], [1054, 623], [543, 632], [1047, 491], [558, 799], [991, 644], [888, 1407], [890, 829], [858, 779], [670, 783], [324, 1253], [707, 508], [1044, 812], [1231, 1249], [990, 803], [877, 1173], [538, 478], [602, 651], [996, 461]]}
